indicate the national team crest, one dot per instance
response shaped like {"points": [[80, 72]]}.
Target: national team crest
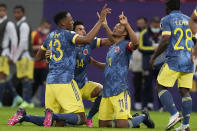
{"points": [[85, 51], [117, 49]]}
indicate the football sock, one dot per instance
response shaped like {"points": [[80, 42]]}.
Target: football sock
{"points": [[27, 91], [70, 118], [135, 121], [37, 120], [94, 108], [186, 109], [167, 101]]}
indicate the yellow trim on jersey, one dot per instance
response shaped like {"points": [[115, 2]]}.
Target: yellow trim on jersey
{"points": [[141, 45], [186, 99], [43, 48], [166, 33], [195, 12], [98, 43], [74, 38]]}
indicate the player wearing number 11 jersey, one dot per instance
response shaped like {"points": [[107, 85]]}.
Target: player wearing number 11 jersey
{"points": [[177, 42]]}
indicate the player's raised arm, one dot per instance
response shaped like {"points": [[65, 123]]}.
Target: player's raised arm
{"points": [[91, 35], [132, 35], [193, 26], [98, 64], [193, 22]]}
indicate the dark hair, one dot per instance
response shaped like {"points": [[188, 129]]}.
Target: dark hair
{"points": [[20, 7], [173, 4], [142, 17], [59, 16], [45, 21], [155, 19], [77, 23], [3, 5]]}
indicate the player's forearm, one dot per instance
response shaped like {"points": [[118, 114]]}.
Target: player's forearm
{"points": [[99, 65], [40, 55], [109, 32], [193, 24], [163, 45], [91, 35], [132, 36]]}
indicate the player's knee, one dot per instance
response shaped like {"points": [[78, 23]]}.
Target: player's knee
{"points": [[184, 91], [96, 91], [122, 124], [106, 123]]}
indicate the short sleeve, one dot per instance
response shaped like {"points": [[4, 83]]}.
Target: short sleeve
{"points": [[71, 36], [165, 27], [45, 44], [96, 43]]}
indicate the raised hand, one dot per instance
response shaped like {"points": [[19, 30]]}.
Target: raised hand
{"points": [[123, 19], [105, 21], [104, 13]]}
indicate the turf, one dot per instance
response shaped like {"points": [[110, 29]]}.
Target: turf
{"points": [[160, 119]]}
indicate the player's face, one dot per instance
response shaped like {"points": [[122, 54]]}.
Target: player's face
{"points": [[119, 30], [18, 14], [68, 22], [3, 12], [80, 29]]}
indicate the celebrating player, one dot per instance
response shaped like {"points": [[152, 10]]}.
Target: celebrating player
{"points": [[177, 42], [115, 103], [62, 93]]}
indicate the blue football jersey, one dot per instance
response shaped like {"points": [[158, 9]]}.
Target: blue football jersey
{"points": [[116, 70], [195, 11], [180, 46], [83, 57], [63, 57]]}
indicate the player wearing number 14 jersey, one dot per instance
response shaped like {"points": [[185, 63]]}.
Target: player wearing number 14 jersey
{"points": [[177, 42]]}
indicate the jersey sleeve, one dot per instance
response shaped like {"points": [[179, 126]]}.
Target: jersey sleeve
{"points": [[96, 43], [165, 27], [45, 44], [71, 36]]}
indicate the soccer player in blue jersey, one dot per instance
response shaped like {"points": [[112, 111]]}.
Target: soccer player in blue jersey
{"points": [[177, 43], [90, 90], [115, 105], [62, 94]]}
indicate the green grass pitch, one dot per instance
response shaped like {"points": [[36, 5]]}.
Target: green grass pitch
{"points": [[160, 119]]}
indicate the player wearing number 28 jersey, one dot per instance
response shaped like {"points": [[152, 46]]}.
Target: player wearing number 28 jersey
{"points": [[177, 42]]}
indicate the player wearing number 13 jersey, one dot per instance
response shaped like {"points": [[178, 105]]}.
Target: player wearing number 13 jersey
{"points": [[177, 42]]}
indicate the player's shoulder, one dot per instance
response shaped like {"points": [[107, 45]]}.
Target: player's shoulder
{"points": [[166, 18]]}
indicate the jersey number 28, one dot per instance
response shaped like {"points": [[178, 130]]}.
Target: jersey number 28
{"points": [[176, 46]]}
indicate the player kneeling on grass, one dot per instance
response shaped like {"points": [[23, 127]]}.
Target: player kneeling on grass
{"points": [[115, 105], [62, 93]]}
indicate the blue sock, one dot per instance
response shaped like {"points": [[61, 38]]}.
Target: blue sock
{"points": [[167, 101], [186, 109], [27, 91], [2, 87], [70, 118], [94, 108], [37, 120], [135, 121]]}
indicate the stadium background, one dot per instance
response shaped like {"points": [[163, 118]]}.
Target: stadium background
{"points": [[80, 10]]}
